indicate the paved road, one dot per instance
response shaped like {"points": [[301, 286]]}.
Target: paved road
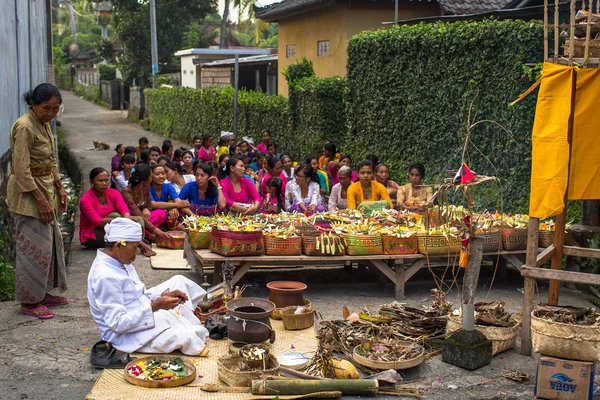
{"points": [[46, 359]]}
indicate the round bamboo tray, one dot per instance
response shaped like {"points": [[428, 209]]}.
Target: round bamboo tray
{"points": [[438, 245], [276, 314], [160, 384], [276, 246], [546, 238], [295, 322], [383, 365], [503, 338], [228, 371], [514, 239], [577, 342]]}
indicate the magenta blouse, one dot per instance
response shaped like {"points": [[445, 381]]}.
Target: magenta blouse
{"points": [[247, 194], [92, 212]]}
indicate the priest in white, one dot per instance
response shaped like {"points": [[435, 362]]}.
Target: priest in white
{"points": [[130, 316]]}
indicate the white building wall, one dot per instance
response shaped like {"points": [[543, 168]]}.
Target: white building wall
{"points": [[188, 72]]}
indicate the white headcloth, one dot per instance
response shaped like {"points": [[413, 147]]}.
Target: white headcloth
{"points": [[123, 229]]}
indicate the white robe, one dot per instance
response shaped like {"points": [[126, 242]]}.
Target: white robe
{"points": [[121, 307]]}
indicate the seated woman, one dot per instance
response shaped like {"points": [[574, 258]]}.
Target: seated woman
{"points": [[205, 195], [98, 207], [240, 193], [121, 179], [367, 190], [138, 200], [412, 196], [175, 178], [346, 161], [164, 197], [323, 178], [338, 200], [303, 194], [274, 168], [332, 161], [130, 316], [187, 162], [287, 162], [382, 175], [274, 200]]}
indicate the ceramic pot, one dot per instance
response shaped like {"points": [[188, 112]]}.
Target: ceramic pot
{"points": [[286, 293], [249, 321]]}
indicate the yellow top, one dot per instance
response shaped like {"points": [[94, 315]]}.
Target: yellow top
{"points": [[31, 144], [220, 151], [355, 194], [406, 193]]}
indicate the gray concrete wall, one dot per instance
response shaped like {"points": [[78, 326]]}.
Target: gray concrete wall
{"points": [[23, 64]]}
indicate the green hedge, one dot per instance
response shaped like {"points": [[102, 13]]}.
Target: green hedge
{"points": [[317, 114], [182, 112], [90, 93], [107, 72], [62, 76], [409, 90]]}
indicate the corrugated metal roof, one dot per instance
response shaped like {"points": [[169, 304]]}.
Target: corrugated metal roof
{"points": [[242, 60]]}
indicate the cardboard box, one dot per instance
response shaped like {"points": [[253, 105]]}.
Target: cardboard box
{"points": [[563, 379]]}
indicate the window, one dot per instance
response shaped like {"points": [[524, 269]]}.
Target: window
{"points": [[323, 48], [191, 72], [184, 72], [290, 51]]}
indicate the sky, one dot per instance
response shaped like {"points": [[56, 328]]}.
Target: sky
{"points": [[234, 16]]}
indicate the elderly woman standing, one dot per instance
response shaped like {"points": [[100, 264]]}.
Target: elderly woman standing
{"points": [[339, 192], [36, 197]]}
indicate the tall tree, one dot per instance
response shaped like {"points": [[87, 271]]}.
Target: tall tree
{"points": [[132, 22], [223, 34]]}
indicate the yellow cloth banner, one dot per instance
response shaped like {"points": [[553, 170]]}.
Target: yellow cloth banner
{"points": [[550, 153]]}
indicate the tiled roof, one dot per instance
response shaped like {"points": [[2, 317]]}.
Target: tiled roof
{"points": [[462, 7]]}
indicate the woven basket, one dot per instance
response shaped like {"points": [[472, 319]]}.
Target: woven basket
{"points": [[293, 322], [228, 371], [276, 246], [363, 245], [276, 314], [309, 245], [546, 238], [514, 239], [503, 338], [305, 227], [398, 245], [438, 245], [577, 342], [492, 241], [175, 240], [198, 240], [579, 48], [229, 243]]}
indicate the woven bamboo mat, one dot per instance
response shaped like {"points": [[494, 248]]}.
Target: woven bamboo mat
{"points": [[111, 385]]}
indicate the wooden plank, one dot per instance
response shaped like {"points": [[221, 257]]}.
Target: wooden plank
{"points": [[241, 271], [413, 269], [399, 285], [529, 291], [544, 256], [514, 261], [387, 271], [561, 276], [581, 252], [546, 31], [556, 33]]}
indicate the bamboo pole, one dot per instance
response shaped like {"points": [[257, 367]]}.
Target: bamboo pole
{"points": [[361, 387], [572, 32], [588, 31], [546, 30], [556, 32]]}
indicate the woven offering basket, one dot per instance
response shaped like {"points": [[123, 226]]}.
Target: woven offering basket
{"points": [[514, 239], [579, 48], [199, 240], [293, 322], [309, 245], [228, 243], [228, 371], [503, 338], [384, 365], [438, 245], [276, 314], [546, 238], [175, 240], [556, 339], [398, 245], [492, 241], [191, 369], [277, 246], [363, 245]]}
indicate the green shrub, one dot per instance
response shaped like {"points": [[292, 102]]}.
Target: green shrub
{"points": [[409, 91], [62, 75], [107, 72], [90, 93], [298, 70], [181, 112]]}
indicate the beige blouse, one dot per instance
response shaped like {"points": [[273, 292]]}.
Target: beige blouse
{"points": [[33, 165], [406, 193]]}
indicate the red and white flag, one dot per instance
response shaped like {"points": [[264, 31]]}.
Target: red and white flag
{"points": [[464, 175]]}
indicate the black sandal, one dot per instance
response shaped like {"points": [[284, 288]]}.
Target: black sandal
{"points": [[218, 332], [105, 356]]}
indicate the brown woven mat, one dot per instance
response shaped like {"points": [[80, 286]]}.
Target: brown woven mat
{"points": [[112, 386]]}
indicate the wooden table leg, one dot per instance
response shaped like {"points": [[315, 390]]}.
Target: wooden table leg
{"points": [[399, 285], [527, 308], [240, 271], [218, 273]]}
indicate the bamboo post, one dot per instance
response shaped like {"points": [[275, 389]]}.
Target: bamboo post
{"points": [[571, 33], [556, 31], [588, 31], [546, 30], [533, 232], [360, 387]]}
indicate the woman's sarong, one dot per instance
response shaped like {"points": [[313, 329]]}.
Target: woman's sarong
{"points": [[40, 259]]}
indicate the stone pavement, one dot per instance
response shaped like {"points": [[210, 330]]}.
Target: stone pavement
{"points": [[48, 359]]}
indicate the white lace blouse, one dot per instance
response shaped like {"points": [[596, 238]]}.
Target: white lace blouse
{"points": [[293, 195]]}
